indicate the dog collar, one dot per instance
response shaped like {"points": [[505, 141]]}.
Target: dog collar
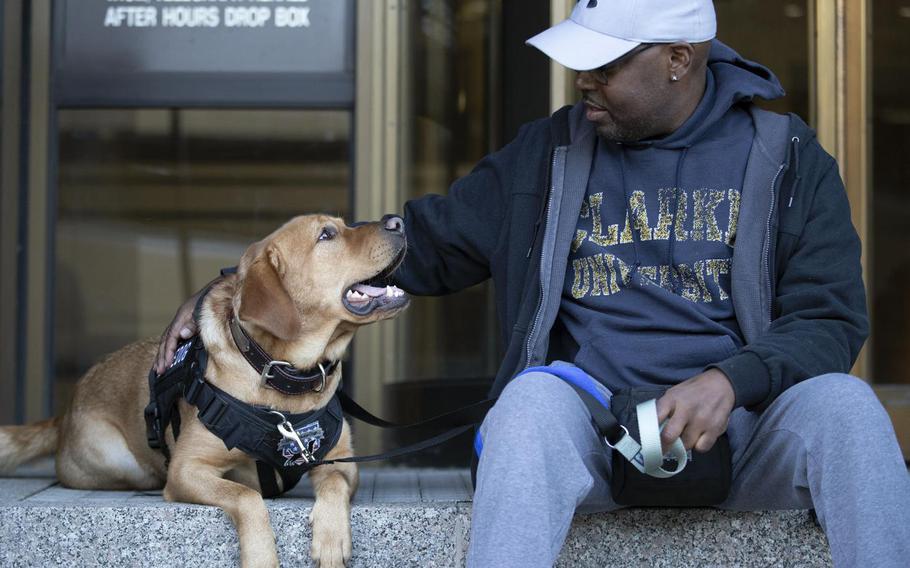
{"points": [[276, 374]]}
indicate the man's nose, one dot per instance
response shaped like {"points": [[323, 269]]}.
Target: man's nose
{"points": [[393, 223], [583, 81]]}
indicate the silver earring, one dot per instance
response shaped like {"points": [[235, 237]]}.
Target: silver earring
{"points": [[674, 78]]}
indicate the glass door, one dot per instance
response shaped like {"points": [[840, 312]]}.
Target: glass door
{"points": [[889, 177], [448, 346], [747, 25], [152, 202]]}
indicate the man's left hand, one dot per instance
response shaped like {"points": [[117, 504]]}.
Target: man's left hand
{"points": [[698, 410]]}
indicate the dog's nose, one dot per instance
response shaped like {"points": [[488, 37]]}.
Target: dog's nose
{"points": [[393, 223]]}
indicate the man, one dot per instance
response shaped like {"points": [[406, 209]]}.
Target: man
{"points": [[664, 231]]}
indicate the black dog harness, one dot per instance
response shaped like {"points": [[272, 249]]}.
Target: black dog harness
{"points": [[287, 444]]}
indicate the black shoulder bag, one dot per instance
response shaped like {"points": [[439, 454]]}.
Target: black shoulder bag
{"points": [[677, 479], [704, 481]]}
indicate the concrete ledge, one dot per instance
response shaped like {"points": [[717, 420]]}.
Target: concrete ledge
{"points": [[696, 537], [402, 518]]}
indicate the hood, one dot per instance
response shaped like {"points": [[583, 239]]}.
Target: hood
{"points": [[731, 79]]}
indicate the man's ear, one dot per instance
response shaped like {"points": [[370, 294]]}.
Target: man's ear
{"points": [[264, 301], [682, 56]]}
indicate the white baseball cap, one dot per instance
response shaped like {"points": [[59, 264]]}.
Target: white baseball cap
{"points": [[600, 31]]}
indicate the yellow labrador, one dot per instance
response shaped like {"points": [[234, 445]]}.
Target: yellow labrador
{"points": [[300, 293]]}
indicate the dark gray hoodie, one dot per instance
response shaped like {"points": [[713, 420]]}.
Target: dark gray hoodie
{"points": [[646, 298]]}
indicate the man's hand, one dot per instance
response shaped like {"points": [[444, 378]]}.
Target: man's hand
{"points": [[182, 326], [698, 410]]}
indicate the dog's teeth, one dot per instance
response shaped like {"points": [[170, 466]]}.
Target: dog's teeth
{"points": [[389, 292], [355, 295]]}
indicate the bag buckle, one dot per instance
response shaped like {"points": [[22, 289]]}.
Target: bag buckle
{"points": [[613, 445]]}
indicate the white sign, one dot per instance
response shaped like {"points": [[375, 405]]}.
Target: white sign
{"points": [[207, 14], [207, 36]]}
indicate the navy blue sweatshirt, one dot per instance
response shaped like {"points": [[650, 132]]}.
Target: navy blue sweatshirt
{"points": [[646, 298]]}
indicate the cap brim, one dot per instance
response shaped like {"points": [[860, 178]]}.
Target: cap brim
{"points": [[579, 48]]}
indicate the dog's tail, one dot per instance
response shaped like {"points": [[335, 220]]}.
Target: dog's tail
{"points": [[21, 444]]}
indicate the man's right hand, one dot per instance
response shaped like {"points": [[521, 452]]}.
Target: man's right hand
{"points": [[183, 327]]}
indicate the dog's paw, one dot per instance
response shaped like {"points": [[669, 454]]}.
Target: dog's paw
{"points": [[260, 562], [331, 546]]}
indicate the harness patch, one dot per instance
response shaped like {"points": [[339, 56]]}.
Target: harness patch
{"points": [[181, 353], [311, 435]]}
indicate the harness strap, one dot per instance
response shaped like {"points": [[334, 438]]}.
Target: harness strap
{"points": [[214, 404], [267, 484], [162, 410], [255, 431]]}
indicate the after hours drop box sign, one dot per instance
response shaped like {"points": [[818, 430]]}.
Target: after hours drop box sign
{"points": [[204, 53]]}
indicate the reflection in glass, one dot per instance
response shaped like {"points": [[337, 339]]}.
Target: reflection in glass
{"points": [[151, 203], [774, 33], [890, 259], [449, 131], [449, 345]]}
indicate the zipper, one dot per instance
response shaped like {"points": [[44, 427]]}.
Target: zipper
{"points": [[538, 314], [794, 143], [543, 210], [767, 252]]}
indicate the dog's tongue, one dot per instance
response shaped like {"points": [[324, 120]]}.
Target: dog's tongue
{"points": [[372, 291]]}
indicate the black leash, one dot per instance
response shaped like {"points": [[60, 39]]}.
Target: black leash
{"points": [[471, 414], [413, 448], [458, 421]]}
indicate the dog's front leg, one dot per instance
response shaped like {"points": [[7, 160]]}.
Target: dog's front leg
{"points": [[197, 482], [334, 485]]}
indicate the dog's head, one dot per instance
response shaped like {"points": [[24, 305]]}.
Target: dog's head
{"points": [[316, 279]]}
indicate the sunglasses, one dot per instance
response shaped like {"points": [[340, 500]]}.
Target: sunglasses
{"points": [[602, 74]]}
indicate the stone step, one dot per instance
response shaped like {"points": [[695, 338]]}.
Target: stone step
{"points": [[401, 517]]}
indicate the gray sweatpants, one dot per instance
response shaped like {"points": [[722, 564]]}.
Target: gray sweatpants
{"points": [[825, 443]]}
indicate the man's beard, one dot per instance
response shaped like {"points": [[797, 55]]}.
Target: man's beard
{"points": [[628, 132]]}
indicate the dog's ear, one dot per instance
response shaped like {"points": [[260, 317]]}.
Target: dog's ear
{"points": [[264, 301]]}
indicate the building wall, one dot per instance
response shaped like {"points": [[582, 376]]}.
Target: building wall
{"points": [[111, 216]]}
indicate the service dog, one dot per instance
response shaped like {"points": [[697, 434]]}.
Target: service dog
{"points": [[300, 293]]}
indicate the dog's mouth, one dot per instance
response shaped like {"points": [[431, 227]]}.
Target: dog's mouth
{"points": [[376, 293]]}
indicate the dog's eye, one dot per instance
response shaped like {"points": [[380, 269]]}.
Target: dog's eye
{"points": [[327, 234]]}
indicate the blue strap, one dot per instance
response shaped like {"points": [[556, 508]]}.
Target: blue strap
{"points": [[478, 444], [570, 374]]}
